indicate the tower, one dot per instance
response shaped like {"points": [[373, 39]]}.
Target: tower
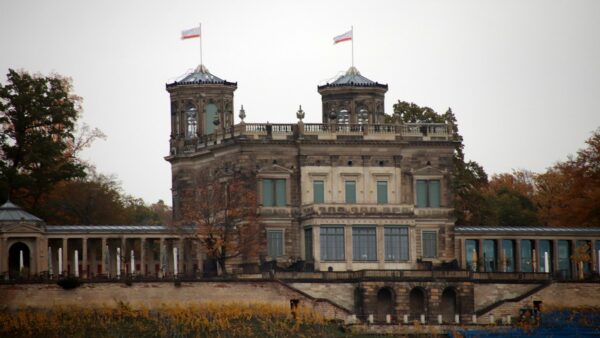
{"points": [[201, 106], [353, 99]]}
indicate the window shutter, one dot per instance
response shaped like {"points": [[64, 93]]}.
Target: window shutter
{"points": [[434, 194], [382, 193], [421, 194], [280, 192], [318, 192], [350, 192], [267, 193]]}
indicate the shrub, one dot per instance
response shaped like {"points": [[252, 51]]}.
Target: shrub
{"points": [[69, 283]]}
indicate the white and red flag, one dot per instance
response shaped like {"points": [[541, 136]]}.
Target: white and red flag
{"points": [[343, 37], [190, 33]]}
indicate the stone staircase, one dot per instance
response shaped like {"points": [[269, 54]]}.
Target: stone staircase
{"points": [[508, 307]]}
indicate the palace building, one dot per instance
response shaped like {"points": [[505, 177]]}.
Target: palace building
{"points": [[354, 192]]}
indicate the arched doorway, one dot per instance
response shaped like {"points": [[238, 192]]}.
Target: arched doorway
{"points": [[385, 304], [449, 306], [417, 303], [14, 258]]}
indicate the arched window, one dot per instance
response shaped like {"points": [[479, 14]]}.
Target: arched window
{"points": [[343, 117], [449, 305], [190, 120], [385, 304], [417, 303], [210, 113], [362, 115]]}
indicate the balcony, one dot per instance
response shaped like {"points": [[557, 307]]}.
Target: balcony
{"points": [[319, 131]]}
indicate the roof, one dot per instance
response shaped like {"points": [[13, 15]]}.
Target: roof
{"points": [[115, 228], [524, 229], [353, 78], [12, 212], [200, 75]]}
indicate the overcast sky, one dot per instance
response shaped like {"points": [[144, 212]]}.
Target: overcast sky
{"points": [[523, 77]]}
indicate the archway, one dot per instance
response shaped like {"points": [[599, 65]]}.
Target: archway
{"points": [[449, 306], [385, 304], [417, 303], [14, 258]]}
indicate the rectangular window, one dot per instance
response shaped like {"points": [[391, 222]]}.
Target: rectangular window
{"points": [[350, 192], [428, 193], [472, 253], [275, 243], [396, 243], [508, 251], [564, 258], [429, 244], [526, 255], [382, 192], [332, 243], [318, 192], [364, 244], [308, 244], [273, 193]]}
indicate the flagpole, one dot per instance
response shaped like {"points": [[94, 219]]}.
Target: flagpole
{"points": [[352, 29], [200, 26]]}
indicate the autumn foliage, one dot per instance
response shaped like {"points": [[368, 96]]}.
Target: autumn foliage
{"points": [[223, 206], [207, 320]]}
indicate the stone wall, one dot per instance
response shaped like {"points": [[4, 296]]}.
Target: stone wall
{"points": [[555, 295], [154, 294], [488, 294], [339, 293]]}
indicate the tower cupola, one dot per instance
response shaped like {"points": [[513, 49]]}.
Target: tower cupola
{"points": [[353, 99]]}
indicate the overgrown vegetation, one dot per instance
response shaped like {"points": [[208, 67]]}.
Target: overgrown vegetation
{"points": [[210, 320]]}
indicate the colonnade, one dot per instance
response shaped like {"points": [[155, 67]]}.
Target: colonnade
{"points": [[565, 257]]}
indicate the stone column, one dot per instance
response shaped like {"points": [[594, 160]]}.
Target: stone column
{"points": [[574, 267], [65, 255], [517, 255], [143, 271], [480, 260], [463, 253], [162, 271], [103, 266], [594, 256], [316, 233], [554, 263], [380, 240], [124, 255], [3, 255], [348, 246], [181, 255], [538, 255], [84, 258]]}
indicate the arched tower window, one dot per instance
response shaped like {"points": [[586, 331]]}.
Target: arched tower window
{"points": [[343, 117], [190, 118], [210, 113]]}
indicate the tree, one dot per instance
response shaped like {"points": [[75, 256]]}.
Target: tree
{"points": [[568, 193], [96, 199], [510, 198], [223, 208], [468, 177], [38, 144]]}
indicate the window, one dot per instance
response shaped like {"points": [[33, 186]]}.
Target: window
{"points": [[489, 255], [210, 114], [308, 244], [396, 243], [350, 192], [545, 248], [382, 192], [190, 113], [564, 258], [526, 255], [275, 243], [364, 244], [508, 250], [332, 243], [318, 192], [429, 244], [428, 193], [273, 193], [472, 253]]}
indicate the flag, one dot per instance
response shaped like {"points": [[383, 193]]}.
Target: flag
{"points": [[343, 37], [190, 33]]}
